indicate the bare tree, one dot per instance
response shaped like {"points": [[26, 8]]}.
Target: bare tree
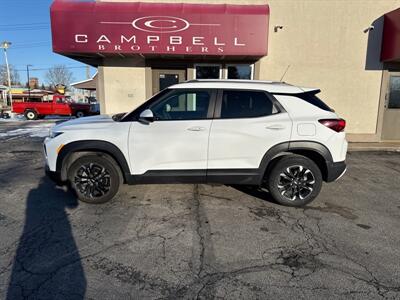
{"points": [[59, 74], [14, 75]]}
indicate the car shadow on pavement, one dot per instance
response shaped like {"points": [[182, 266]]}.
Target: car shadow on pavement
{"points": [[255, 191], [47, 263]]}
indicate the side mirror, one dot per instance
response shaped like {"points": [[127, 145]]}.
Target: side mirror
{"points": [[146, 116]]}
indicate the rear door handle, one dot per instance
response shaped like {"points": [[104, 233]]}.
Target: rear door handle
{"points": [[196, 128], [275, 127]]}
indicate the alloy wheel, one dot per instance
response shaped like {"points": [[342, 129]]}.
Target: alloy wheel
{"points": [[296, 182], [93, 180]]}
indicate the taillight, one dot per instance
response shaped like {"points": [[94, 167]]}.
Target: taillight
{"points": [[337, 125]]}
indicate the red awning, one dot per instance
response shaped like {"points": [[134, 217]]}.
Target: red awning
{"points": [[167, 29], [391, 37]]}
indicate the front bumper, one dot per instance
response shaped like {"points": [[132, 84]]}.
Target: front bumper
{"points": [[54, 176], [335, 170]]}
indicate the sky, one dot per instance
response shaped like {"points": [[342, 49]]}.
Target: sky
{"points": [[26, 24]]}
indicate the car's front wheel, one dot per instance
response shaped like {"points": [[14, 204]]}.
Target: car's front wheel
{"points": [[94, 178], [294, 180]]}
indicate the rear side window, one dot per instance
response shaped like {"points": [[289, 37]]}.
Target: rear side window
{"points": [[245, 104], [312, 98]]}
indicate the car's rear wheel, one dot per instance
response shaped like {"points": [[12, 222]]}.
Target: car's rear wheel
{"points": [[31, 115], [94, 178], [294, 180]]}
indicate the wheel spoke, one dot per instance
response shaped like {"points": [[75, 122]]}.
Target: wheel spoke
{"points": [[300, 171], [307, 188], [286, 176], [284, 185]]}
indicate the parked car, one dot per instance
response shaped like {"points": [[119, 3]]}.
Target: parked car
{"points": [[271, 135], [58, 105]]}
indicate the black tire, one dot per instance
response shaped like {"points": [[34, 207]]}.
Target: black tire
{"points": [[79, 114], [294, 180], [88, 169], [31, 114]]}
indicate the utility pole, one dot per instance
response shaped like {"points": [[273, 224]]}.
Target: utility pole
{"points": [[29, 84], [87, 72], [5, 45]]}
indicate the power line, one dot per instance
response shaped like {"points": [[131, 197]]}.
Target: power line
{"points": [[27, 48], [72, 65], [31, 45], [30, 42], [28, 45], [24, 24], [45, 69], [25, 29]]}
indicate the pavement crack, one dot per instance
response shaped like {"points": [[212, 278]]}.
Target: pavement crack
{"points": [[199, 230]]}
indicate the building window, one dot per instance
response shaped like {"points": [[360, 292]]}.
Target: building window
{"points": [[246, 104], [229, 71], [239, 71], [208, 72]]}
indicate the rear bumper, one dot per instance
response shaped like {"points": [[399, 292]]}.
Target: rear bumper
{"points": [[335, 170]]}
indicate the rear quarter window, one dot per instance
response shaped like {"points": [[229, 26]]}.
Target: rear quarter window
{"points": [[312, 98]]}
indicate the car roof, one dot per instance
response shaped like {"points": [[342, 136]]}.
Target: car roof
{"points": [[269, 86]]}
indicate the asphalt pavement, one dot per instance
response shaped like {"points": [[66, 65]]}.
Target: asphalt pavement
{"points": [[196, 241]]}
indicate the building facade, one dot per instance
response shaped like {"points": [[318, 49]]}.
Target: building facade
{"points": [[349, 49]]}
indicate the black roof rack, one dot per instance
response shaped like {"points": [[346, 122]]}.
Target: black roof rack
{"points": [[236, 80]]}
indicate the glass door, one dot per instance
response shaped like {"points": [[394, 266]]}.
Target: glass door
{"points": [[391, 117], [165, 78]]}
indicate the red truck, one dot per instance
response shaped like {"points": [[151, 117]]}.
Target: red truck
{"points": [[55, 105]]}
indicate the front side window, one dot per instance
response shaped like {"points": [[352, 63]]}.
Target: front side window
{"points": [[182, 105], [245, 104]]}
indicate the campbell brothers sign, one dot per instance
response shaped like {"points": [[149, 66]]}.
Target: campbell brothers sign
{"points": [[159, 28]]}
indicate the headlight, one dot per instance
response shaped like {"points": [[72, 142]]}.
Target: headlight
{"points": [[54, 134]]}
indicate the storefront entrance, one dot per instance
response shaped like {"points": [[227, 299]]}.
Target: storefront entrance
{"points": [[391, 117], [165, 78]]}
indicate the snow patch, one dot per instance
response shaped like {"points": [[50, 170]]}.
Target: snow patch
{"points": [[37, 130], [21, 118], [14, 118]]}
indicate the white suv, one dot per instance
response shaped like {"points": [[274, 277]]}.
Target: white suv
{"points": [[267, 134]]}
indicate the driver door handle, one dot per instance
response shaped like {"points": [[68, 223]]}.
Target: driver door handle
{"points": [[196, 128]]}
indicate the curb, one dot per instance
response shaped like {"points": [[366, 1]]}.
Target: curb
{"points": [[374, 149]]}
